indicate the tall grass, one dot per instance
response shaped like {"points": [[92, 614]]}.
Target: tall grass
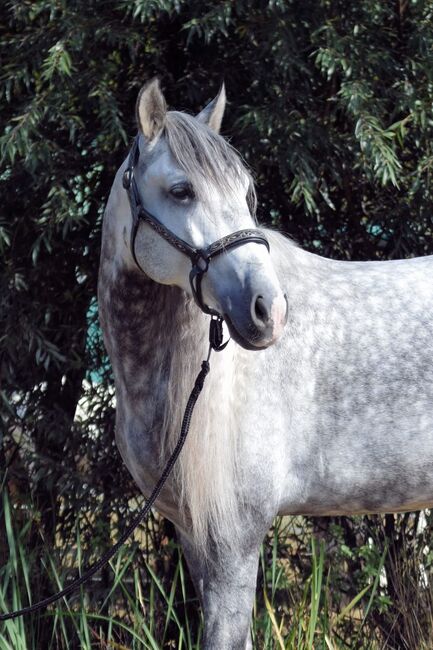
{"points": [[141, 610]]}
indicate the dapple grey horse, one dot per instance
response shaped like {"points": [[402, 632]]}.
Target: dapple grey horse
{"points": [[322, 404]]}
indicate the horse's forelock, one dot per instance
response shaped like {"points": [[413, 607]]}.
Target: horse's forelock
{"points": [[206, 156]]}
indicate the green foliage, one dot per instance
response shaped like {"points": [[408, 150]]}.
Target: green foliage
{"points": [[330, 105], [142, 610], [137, 608]]}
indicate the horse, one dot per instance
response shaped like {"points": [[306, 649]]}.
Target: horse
{"points": [[322, 403]]}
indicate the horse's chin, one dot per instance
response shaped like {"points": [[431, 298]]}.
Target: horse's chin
{"points": [[253, 343]]}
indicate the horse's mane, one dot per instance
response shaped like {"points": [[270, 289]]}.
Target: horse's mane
{"points": [[204, 154]]}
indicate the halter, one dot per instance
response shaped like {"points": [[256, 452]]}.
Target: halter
{"points": [[200, 257]]}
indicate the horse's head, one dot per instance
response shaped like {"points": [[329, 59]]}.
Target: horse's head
{"points": [[196, 186]]}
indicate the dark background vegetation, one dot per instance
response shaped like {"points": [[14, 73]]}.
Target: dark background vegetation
{"points": [[331, 106]]}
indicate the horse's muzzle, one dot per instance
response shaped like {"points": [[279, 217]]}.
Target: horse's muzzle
{"points": [[259, 326]]}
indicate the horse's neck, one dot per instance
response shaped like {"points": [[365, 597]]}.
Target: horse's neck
{"points": [[156, 338], [145, 325]]}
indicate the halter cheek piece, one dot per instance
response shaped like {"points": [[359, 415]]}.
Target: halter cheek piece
{"points": [[200, 257]]}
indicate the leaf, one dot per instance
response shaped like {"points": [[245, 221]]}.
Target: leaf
{"points": [[275, 626]]}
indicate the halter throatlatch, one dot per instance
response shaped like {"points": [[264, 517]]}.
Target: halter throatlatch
{"points": [[200, 257]]}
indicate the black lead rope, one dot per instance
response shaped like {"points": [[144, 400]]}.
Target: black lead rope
{"points": [[215, 343]]}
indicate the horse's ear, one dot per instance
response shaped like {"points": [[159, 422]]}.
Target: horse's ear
{"points": [[212, 114], [151, 110]]}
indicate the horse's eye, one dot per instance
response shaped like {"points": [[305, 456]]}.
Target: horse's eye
{"points": [[183, 192]]}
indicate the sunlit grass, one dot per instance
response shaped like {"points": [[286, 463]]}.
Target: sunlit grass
{"points": [[139, 610]]}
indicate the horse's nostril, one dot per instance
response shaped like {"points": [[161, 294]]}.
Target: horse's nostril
{"points": [[260, 308], [260, 311]]}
